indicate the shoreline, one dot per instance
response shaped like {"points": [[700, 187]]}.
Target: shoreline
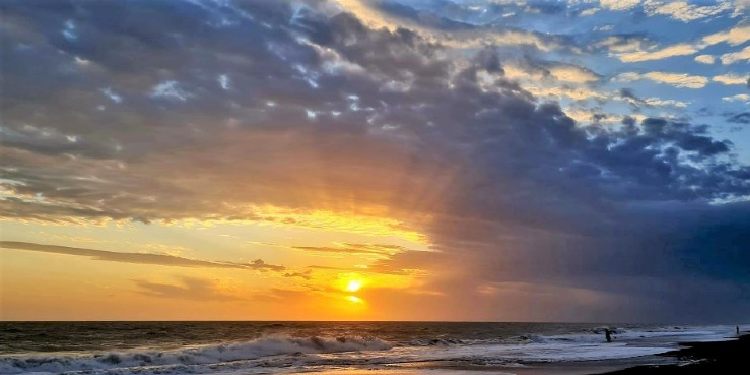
{"points": [[699, 357], [703, 357]]}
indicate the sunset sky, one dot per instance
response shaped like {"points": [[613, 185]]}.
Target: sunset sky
{"points": [[375, 160]]}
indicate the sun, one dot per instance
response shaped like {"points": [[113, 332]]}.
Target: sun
{"points": [[353, 285]]}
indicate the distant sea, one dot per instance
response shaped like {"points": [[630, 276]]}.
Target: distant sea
{"points": [[346, 347]]}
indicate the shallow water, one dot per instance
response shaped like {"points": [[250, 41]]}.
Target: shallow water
{"points": [[339, 347]]}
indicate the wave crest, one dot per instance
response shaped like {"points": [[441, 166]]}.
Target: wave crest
{"points": [[267, 346]]}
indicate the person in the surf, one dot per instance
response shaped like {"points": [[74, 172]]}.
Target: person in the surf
{"points": [[608, 334]]}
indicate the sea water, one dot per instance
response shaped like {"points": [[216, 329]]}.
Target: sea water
{"points": [[289, 347]]}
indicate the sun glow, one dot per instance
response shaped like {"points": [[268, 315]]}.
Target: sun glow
{"points": [[353, 285], [354, 299], [371, 221]]}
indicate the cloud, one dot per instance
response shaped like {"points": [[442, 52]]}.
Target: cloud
{"points": [[635, 49], [353, 248], [571, 73], [190, 288], [734, 36], [553, 72], [261, 265], [550, 80], [705, 59], [674, 79], [732, 79], [510, 38], [740, 118], [372, 16], [619, 4], [623, 44], [656, 102], [287, 296], [627, 95], [170, 90], [137, 258], [733, 57], [431, 25], [740, 7], [590, 12], [742, 98], [301, 274], [683, 11], [584, 116], [671, 51]]}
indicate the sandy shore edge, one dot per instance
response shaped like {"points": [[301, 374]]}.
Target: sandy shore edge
{"points": [[713, 357]]}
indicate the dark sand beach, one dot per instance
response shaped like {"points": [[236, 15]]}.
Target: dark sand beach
{"points": [[700, 358], [703, 357]]}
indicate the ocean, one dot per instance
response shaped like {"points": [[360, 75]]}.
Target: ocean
{"points": [[335, 347]]}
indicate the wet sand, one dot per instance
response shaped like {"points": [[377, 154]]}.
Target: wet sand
{"points": [[716, 357], [719, 357]]}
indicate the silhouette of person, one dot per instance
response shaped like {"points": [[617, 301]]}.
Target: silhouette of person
{"points": [[608, 334], [738, 330]]}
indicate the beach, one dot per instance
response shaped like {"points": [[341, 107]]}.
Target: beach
{"points": [[352, 348], [700, 358]]}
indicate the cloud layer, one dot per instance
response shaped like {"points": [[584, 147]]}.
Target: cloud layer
{"points": [[139, 258], [169, 111]]}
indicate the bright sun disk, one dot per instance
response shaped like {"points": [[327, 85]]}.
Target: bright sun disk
{"points": [[353, 285]]}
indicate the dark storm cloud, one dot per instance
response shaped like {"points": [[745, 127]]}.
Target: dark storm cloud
{"points": [[462, 23], [422, 17], [139, 258], [739, 118], [292, 104], [628, 93]]}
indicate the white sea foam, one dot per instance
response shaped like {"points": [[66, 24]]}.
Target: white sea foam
{"points": [[196, 357]]}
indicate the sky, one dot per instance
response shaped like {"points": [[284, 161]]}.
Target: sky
{"points": [[375, 160]]}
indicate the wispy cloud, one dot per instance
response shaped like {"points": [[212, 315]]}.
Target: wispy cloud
{"points": [[619, 4], [666, 52], [191, 288], [740, 98], [684, 11], [638, 50], [734, 36], [733, 79], [674, 79], [733, 57], [138, 258], [705, 59], [353, 248]]}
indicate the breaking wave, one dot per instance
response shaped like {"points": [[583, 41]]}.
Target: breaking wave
{"points": [[196, 356]]}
